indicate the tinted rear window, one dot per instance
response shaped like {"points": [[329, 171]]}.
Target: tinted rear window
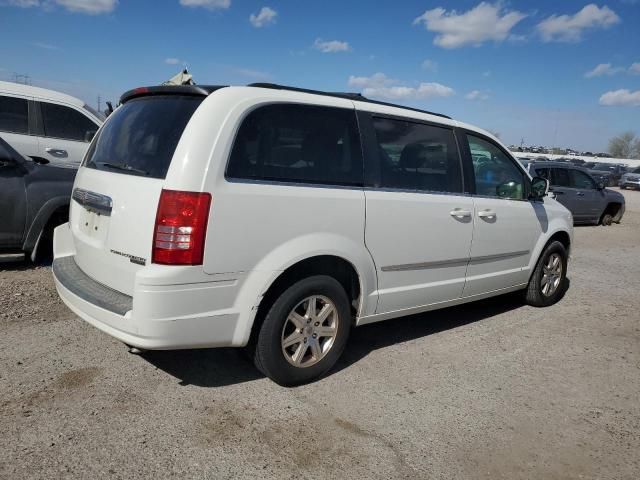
{"points": [[66, 123], [14, 115], [298, 144], [140, 137]]}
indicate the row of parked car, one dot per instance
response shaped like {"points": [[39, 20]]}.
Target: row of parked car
{"points": [[609, 173], [584, 195], [44, 136]]}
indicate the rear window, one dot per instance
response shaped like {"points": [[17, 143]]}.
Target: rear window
{"points": [[14, 115], [140, 137], [298, 144], [66, 123]]}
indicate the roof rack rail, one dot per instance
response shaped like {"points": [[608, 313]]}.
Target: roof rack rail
{"points": [[348, 95]]}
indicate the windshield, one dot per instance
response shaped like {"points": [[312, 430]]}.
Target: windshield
{"points": [[139, 138]]}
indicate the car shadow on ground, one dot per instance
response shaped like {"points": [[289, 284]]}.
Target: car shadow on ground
{"points": [[384, 334], [24, 265], [227, 366]]}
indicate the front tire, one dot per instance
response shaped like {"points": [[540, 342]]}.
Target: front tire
{"points": [[607, 220], [304, 332], [548, 281]]}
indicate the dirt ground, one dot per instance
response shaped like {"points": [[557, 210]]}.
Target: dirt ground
{"points": [[488, 390]]}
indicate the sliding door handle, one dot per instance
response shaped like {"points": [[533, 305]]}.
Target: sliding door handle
{"points": [[460, 213], [488, 214]]}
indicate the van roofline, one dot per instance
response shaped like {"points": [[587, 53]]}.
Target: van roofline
{"points": [[347, 95], [205, 90]]}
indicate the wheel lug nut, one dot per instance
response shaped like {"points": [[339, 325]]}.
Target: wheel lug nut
{"points": [[315, 335], [305, 339], [317, 324]]}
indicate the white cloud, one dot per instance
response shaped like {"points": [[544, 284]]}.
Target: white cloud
{"points": [[476, 95], [172, 61], [485, 22], [621, 97], [603, 69], [430, 66], [634, 69], [89, 7], [249, 73], [569, 28], [331, 46], [264, 17], [22, 3], [210, 4], [46, 46], [377, 80], [381, 86]]}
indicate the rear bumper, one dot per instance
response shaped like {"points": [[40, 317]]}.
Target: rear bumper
{"points": [[158, 316]]}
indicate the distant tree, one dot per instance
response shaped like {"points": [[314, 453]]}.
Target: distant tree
{"points": [[624, 145]]}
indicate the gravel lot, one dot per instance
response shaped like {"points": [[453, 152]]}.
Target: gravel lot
{"points": [[489, 390]]}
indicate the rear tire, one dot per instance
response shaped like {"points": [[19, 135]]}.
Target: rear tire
{"points": [[548, 281], [304, 331]]}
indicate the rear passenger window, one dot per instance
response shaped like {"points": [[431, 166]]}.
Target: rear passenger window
{"points": [[14, 115], [415, 156], [298, 144], [64, 122]]}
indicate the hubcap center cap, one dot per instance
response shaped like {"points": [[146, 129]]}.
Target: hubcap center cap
{"points": [[308, 330]]}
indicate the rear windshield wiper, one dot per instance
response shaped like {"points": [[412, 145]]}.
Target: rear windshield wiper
{"points": [[125, 167]]}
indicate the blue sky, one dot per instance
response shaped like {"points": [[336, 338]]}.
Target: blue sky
{"points": [[554, 73]]}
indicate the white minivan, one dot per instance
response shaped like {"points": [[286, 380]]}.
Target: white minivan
{"points": [[276, 219], [45, 125]]}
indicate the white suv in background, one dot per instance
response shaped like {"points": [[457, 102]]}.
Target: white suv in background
{"points": [[278, 218], [48, 126]]}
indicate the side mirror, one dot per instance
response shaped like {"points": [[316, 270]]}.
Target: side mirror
{"points": [[89, 134], [6, 159], [600, 186], [539, 187]]}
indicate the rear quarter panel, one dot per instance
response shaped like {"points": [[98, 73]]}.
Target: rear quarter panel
{"points": [[261, 226]]}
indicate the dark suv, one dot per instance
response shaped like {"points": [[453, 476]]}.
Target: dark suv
{"points": [[587, 199], [34, 199]]}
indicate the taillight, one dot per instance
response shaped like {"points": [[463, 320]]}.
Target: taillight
{"points": [[180, 229]]}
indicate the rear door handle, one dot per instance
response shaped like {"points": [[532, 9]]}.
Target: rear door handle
{"points": [[56, 152], [580, 194], [460, 213], [487, 214]]}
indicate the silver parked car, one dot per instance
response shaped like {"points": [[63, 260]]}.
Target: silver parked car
{"points": [[587, 198], [631, 179]]}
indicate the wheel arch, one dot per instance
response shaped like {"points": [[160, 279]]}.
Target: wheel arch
{"points": [[48, 211], [560, 235], [356, 275]]}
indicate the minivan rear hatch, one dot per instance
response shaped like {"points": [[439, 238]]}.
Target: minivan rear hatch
{"points": [[116, 192]]}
